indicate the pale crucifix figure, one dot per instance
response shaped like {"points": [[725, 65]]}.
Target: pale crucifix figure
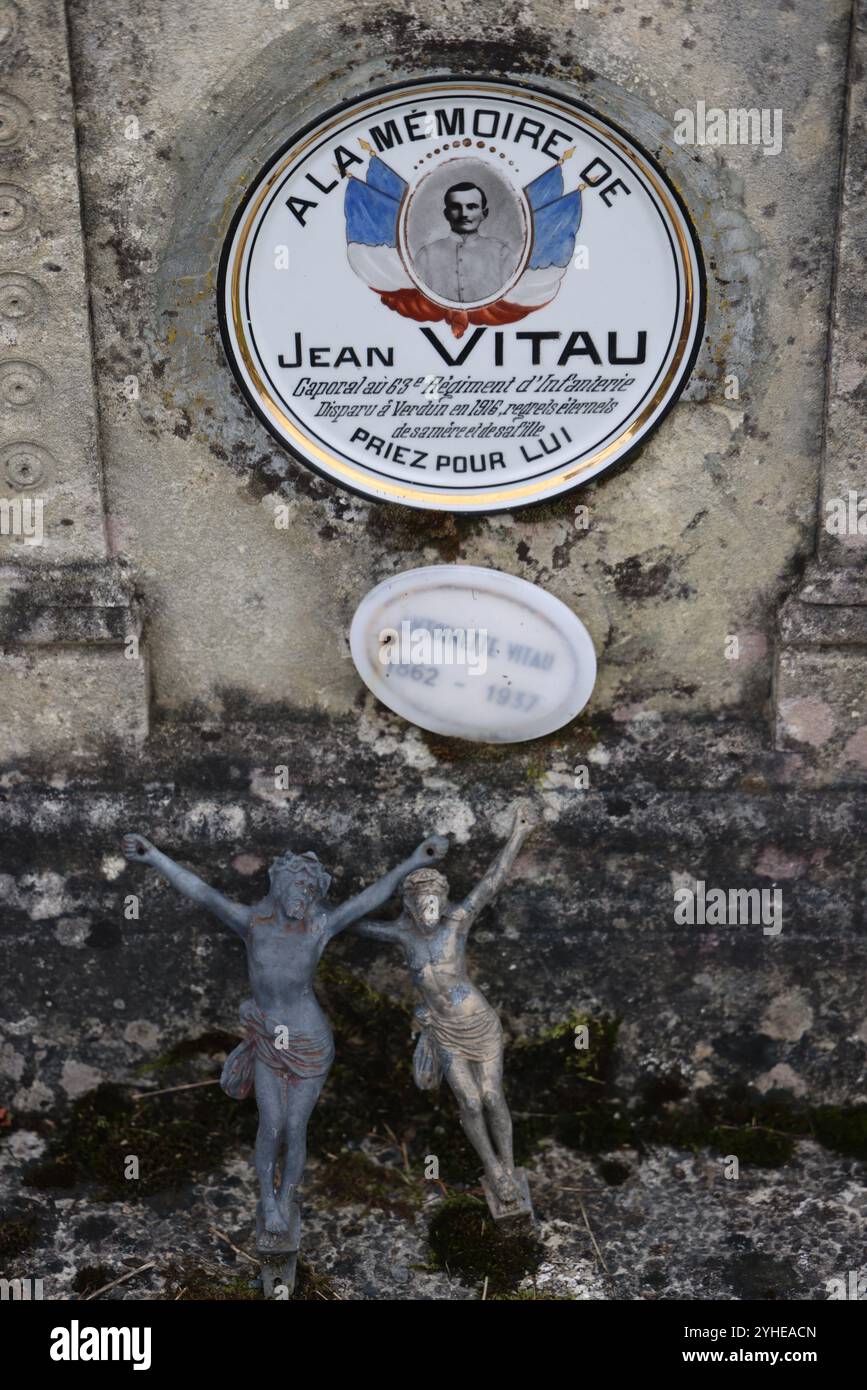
{"points": [[288, 1047], [461, 1036]]}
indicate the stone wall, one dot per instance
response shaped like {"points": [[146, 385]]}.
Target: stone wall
{"points": [[168, 647]]}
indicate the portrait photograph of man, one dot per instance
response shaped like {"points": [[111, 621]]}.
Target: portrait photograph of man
{"points": [[475, 255]]}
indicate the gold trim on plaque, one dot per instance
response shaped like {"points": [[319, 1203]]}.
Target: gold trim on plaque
{"points": [[367, 480]]}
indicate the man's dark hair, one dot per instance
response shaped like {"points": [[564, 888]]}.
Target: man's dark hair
{"points": [[465, 188]]}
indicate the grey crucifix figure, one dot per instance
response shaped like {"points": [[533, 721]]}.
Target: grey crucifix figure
{"points": [[288, 1048], [461, 1037]]}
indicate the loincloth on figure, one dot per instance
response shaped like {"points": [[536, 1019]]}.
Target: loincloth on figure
{"points": [[300, 1058], [473, 1037]]}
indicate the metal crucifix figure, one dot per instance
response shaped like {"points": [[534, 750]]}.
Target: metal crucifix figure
{"points": [[288, 1048], [461, 1036]]}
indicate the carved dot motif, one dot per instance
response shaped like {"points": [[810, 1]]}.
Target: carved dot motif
{"points": [[15, 206], [20, 297], [20, 383], [14, 120], [25, 464]]}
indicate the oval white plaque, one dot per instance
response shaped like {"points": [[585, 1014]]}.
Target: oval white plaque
{"points": [[464, 295], [473, 653]]}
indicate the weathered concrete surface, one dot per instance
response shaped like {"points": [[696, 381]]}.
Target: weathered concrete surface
{"points": [[674, 1229], [693, 541], [696, 540], [588, 924]]}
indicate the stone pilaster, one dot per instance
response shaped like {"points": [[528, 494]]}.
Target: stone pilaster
{"points": [[66, 673], [821, 676]]}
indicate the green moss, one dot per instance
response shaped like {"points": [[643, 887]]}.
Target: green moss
{"points": [[458, 750], [16, 1235], [188, 1282], [52, 1173], [534, 755], [175, 1137], [354, 1178], [371, 1088], [569, 1094], [465, 1241], [529, 1296], [841, 1128], [613, 1173], [555, 1090], [214, 1043], [559, 1091], [752, 1144]]}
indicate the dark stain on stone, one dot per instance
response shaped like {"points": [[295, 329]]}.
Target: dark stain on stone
{"points": [[755, 1276], [519, 48], [92, 1277], [632, 580], [749, 1050], [94, 1228], [403, 529], [129, 258], [104, 936]]}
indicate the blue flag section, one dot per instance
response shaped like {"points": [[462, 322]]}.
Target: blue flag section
{"points": [[555, 227], [545, 188], [381, 177], [371, 214]]}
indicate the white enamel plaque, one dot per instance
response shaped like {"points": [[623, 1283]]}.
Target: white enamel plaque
{"points": [[463, 295], [473, 653]]}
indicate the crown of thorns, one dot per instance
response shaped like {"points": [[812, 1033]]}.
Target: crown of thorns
{"points": [[302, 866], [423, 880]]}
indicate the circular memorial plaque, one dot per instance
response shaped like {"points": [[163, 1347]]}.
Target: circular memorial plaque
{"points": [[465, 295], [473, 653]]}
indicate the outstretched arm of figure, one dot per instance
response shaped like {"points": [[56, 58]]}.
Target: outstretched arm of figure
{"points": [[376, 931], [374, 897], [138, 850], [489, 886]]}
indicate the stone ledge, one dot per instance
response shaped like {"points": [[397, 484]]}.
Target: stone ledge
{"points": [[73, 675]]}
